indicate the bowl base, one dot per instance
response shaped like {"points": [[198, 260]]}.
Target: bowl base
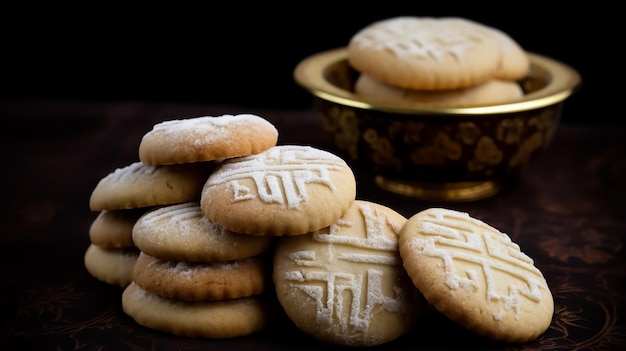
{"points": [[445, 192]]}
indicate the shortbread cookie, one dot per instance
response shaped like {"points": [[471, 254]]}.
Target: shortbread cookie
{"points": [[206, 138], [515, 63], [141, 185], [202, 280], [181, 232], [112, 266], [426, 53], [208, 319], [345, 284], [114, 229], [286, 190], [475, 275], [490, 92]]}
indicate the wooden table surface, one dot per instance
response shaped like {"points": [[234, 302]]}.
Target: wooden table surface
{"points": [[567, 212]]}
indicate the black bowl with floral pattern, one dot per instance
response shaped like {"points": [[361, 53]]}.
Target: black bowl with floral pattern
{"points": [[448, 154]]}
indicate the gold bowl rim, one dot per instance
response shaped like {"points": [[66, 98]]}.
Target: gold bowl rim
{"points": [[309, 73]]}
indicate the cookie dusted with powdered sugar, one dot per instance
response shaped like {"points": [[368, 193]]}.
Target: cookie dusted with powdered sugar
{"points": [[206, 138], [475, 275], [426, 53], [181, 232], [285, 190], [141, 185], [345, 284]]}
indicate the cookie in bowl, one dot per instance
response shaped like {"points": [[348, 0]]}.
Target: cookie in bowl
{"points": [[410, 130]]}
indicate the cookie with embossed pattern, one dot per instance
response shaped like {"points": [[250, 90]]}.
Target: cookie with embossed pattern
{"points": [[475, 275], [345, 284], [206, 138], [181, 232], [426, 53], [285, 190]]}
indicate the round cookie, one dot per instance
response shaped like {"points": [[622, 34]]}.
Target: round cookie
{"points": [[490, 92], [181, 232], [142, 185], [114, 229], [208, 319], [425, 53], [202, 280], [475, 275], [345, 284], [285, 190], [206, 138], [515, 63], [112, 266]]}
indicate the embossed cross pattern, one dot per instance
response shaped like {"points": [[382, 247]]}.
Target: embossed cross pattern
{"points": [[469, 251]]}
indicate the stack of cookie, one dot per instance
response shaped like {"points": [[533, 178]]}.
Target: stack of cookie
{"points": [[120, 198], [437, 62], [112, 254], [195, 278], [176, 159]]}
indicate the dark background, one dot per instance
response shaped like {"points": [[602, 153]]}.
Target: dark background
{"points": [[237, 53]]}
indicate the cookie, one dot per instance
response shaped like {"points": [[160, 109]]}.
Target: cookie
{"points": [[206, 138], [202, 280], [475, 275], [142, 185], [345, 284], [490, 92], [114, 229], [181, 232], [425, 53], [285, 190], [216, 319], [112, 266], [515, 63]]}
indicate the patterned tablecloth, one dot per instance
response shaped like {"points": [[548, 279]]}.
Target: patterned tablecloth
{"points": [[567, 212]]}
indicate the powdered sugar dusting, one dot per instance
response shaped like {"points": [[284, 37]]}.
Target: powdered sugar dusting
{"points": [[455, 237], [189, 270], [375, 252], [206, 124], [280, 174], [421, 37]]}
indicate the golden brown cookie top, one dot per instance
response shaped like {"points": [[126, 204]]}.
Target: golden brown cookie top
{"points": [[285, 190], [425, 52], [206, 138], [181, 232], [141, 185]]}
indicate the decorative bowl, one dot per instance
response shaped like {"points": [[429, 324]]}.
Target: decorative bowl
{"points": [[440, 154]]}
